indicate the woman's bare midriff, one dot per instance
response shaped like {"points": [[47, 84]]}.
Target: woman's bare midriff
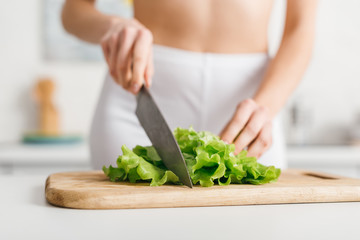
{"points": [[219, 26]]}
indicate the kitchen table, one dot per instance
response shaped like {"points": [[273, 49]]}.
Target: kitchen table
{"points": [[25, 214]]}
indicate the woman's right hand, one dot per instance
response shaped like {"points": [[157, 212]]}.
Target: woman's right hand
{"points": [[127, 47]]}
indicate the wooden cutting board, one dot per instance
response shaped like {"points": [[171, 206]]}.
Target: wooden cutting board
{"points": [[92, 190]]}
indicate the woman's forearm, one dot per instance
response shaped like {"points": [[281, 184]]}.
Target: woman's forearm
{"points": [[81, 19], [126, 43], [284, 72], [288, 66]]}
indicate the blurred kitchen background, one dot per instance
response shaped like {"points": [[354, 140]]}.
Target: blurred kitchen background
{"points": [[322, 119]]}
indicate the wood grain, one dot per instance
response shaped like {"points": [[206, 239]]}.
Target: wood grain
{"points": [[92, 190]]}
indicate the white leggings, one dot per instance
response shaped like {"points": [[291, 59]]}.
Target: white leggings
{"points": [[191, 89]]}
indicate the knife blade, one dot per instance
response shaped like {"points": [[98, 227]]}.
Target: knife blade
{"points": [[161, 136]]}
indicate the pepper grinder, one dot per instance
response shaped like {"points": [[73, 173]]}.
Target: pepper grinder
{"points": [[48, 114]]}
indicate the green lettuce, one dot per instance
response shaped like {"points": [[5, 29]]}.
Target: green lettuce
{"points": [[209, 161]]}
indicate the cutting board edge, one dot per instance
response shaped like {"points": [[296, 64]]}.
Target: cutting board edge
{"points": [[82, 200], [149, 206], [204, 197]]}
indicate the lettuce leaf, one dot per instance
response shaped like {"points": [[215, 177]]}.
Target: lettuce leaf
{"points": [[209, 161], [133, 167]]}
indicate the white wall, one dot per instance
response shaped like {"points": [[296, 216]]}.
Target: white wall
{"points": [[78, 84], [329, 89], [332, 83]]}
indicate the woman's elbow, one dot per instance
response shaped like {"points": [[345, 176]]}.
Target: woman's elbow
{"points": [[66, 17]]}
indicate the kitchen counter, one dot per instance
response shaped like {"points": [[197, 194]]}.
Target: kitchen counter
{"points": [[24, 213], [17, 153], [324, 154], [19, 159]]}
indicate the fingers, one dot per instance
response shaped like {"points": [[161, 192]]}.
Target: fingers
{"points": [[149, 72], [127, 48], [122, 65], [106, 49], [109, 46], [141, 54], [252, 129], [238, 121], [113, 48], [262, 142], [249, 127]]}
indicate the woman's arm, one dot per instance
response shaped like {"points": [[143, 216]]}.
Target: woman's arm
{"points": [[288, 66], [250, 126], [81, 19], [126, 43]]}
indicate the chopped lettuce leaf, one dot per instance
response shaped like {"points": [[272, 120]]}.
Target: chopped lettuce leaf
{"points": [[132, 167], [209, 161]]}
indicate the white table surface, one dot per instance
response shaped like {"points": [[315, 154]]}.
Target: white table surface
{"points": [[325, 155], [17, 153], [24, 214]]}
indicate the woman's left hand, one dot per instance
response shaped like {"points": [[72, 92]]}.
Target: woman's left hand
{"points": [[249, 127]]}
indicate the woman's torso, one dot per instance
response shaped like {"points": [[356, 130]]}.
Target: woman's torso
{"points": [[219, 26]]}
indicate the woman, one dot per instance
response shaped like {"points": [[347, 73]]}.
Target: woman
{"points": [[206, 64]]}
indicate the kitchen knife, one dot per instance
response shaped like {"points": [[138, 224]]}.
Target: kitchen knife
{"points": [[161, 136]]}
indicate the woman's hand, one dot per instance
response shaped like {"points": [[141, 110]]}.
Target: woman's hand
{"points": [[127, 47], [249, 127]]}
